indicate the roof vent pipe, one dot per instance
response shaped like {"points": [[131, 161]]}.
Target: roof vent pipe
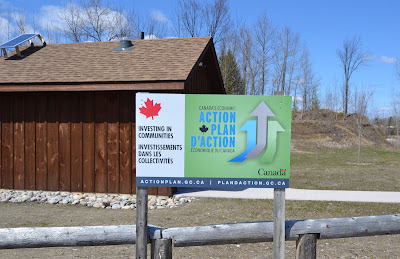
{"points": [[125, 44], [142, 35]]}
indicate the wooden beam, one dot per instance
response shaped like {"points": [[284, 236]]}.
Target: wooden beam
{"points": [[254, 232], [11, 238], [147, 86], [17, 50], [233, 233]]}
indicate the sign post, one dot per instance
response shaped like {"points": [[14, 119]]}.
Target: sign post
{"points": [[141, 222], [279, 218]]}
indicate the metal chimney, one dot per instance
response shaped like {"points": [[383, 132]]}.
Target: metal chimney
{"points": [[125, 44]]}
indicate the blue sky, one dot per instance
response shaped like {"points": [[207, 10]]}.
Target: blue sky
{"points": [[323, 25]]}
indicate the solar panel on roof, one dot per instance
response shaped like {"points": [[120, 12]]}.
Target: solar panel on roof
{"points": [[18, 40]]}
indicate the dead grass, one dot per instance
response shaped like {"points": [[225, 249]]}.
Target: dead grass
{"points": [[337, 168]]}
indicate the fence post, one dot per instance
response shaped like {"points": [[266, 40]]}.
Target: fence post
{"points": [[279, 216], [279, 223], [306, 247], [141, 222], [161, 248]]}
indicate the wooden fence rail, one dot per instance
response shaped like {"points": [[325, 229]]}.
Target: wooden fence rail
{"points": [[72, 236], [200, 235], [263, 231]]}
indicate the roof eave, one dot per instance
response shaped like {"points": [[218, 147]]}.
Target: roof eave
{"points": [[95, 86]]}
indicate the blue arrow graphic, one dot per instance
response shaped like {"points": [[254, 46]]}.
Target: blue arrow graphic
{"points": [[251, 128]]}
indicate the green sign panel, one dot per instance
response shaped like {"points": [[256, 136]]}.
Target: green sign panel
{"points": [[218, 141]]}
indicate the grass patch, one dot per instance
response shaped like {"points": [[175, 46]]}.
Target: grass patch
{"points": [[337, 169]]}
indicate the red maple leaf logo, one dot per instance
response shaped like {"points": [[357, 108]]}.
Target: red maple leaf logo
{"points": [[150, 110]]}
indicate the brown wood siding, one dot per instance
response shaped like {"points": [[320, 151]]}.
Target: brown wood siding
{"points": [[70, 141]]}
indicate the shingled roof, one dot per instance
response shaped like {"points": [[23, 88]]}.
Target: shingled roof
{"points": [[96, 62]]}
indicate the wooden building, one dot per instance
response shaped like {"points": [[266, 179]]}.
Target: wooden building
{"points": [[67, 110]]}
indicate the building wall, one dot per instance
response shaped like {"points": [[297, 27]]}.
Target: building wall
{"points": [[69, 141], [205, 79]]}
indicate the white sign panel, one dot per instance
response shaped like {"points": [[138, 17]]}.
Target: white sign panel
{"points": [[160, 135]]}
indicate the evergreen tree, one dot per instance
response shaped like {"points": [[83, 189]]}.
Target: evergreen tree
{"points": [[233, 81], [315, 104]]}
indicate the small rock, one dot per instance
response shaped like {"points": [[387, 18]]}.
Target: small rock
{"points": [[151, 203], [77, 196], [106, 202], [116, 206], [97, 205], [178, 197], [65, 201], [7, 198], [25, 198], [126, 207], [53, 200]]}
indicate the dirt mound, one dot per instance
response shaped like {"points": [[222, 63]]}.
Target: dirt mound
{"points": [[326, 128]]}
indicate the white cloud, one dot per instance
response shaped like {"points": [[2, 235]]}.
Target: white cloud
{"points": [[387, 60], [4, 29], [297, 98], [159, 16], [50, 17], [369, 57]]}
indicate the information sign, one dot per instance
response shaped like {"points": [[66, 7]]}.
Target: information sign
{"points": [[213, 141]]}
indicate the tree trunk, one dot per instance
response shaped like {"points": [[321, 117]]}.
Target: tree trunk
{"points": [[346, 99], [359, 146]]}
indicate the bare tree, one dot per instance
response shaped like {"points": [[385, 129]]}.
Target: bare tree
{"points": [[216, 18], [396, 114], [124, 23], [20, 22], [361, 104], [72, 16], [249, 66], [97, 21], [351, 57], [308, 82], [285, 52], [264, 39], [190, 20], [153, 28]]}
